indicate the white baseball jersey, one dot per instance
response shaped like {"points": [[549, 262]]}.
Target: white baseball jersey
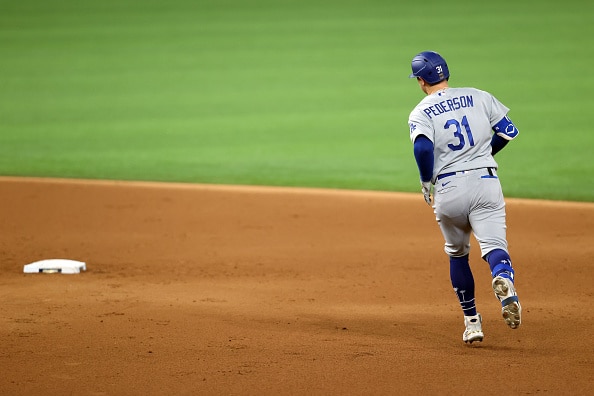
{"points": [[459, 122]]}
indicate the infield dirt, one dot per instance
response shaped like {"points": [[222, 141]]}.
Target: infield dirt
{"points": [[216, 290]]}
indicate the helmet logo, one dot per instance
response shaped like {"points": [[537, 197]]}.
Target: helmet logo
{"points": [[439, 69]]}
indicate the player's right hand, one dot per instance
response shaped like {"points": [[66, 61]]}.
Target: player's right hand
{"points": [[426, 189]]}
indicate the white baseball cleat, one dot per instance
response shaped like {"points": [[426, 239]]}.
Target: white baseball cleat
{"points": [[474, 329], [511, 310]]}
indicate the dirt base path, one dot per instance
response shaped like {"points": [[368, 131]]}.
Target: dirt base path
{"points": [[266, 291]]}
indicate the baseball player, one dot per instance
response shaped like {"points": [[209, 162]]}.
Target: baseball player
{"points": [[455, 133]]}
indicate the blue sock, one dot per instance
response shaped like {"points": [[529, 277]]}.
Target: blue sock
{"points": [[500, 264], [463, 283]]}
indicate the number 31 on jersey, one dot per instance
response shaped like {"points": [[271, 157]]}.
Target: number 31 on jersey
{"points": [[457, 126]]}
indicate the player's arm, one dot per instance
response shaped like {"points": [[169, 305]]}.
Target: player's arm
{"points": [[420, 130], [505, 130], [423, 149], [497, 143]]}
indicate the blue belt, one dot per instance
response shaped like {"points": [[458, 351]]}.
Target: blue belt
{"points": [[444, 175], [447, 175]]}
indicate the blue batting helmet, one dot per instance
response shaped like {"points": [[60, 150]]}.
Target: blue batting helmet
{"points": [[430, 66]]}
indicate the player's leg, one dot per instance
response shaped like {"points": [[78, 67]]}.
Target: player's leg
{"points": [[504, 287], [489, 225], [456, 233], [463, 284], [500, 263], [458, 242], [455, 228], [457, 247]]}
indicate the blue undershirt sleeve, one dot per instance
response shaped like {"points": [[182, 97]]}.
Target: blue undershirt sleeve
{"points": [[497, 143], [423, 149]]}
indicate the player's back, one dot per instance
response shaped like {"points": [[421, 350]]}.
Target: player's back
{"points": [[459, 121]]}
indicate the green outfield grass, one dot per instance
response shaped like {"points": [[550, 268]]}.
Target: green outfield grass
{"points": [[291, 93]]}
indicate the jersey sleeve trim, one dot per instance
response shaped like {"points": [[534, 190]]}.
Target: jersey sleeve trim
{"points": [[506, 129]]}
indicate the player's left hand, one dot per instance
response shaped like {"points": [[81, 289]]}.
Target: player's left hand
{"points": [[426, 189]]}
